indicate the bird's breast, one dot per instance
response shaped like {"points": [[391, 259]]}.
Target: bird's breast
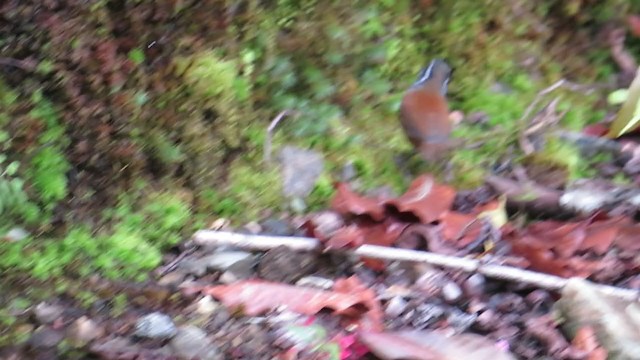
{"points": [[425, 117]]}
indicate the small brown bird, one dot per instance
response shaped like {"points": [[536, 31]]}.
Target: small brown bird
{"points": [[424, 113]]}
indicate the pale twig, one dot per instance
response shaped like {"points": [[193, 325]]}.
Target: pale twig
{"points": [[547, 119], [272, 126], [502, 272]]}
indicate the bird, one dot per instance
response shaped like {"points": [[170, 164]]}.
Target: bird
{"points": [[424, 111]]}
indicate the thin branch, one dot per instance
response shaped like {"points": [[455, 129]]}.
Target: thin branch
{"points": [[539, 97], [506, 273], [270, 129]]}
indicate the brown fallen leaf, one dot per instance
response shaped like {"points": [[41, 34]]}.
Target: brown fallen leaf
{"points": [[347, 202], [255, 297], [426, 199], [431, 345], [460, 229]]}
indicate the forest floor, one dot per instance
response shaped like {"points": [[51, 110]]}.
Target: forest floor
{"points": [[369, 272]]}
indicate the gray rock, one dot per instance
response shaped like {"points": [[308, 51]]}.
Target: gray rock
{"points": [[47, 313], [206, 305], [239, 261], [475, 285], [16, 234], [45, 338], [615, 322], [117, 345], [155, 326], [395, 307], [83, 331], [300, 171], [316, 282], [171, 279], [191, 343], [451, 292], [276, 227], [195, 267], [227, 259]]}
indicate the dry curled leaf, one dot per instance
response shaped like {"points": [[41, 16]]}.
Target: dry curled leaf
{"points": [[347, 202], [256, 297], [426, 199]]}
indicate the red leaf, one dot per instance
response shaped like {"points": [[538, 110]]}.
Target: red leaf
{"points": [[367, 232], [425, 199], [455, 224], [597, 130], [257, 297], [602, 234], [347, 202], [634, 24], [628, 238]]}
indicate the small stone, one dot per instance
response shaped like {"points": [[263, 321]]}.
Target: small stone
{"points": [[297, 205], [252, 228], [171, 279], [349, 172], [206, 305], [191, 343], [16, 234], [475, 285], [425, 315], [451, 292], [456, 117], [326, 224], [225, 260], [45, 338], [47, 313], [276, 227], [430, 282], [300, 171], [395, 307], [155, 326], [584, 200], [83, 331], [316, 282], [118, 345], [460, 321], [195, 267]]}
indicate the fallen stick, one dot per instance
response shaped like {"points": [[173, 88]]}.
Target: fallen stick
{"points": [[502, 272]]}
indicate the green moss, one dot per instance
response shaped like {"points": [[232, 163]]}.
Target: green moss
{"points": [[128, 250], [253, 190]]}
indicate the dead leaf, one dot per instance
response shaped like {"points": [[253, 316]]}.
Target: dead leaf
{"points": [[634, 24], [628, 118], [426, 199], [431, 345], [628, 238], [460, 229], [256, 297], [347, 202]]}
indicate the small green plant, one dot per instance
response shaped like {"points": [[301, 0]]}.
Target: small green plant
{"points": [[14, 201], [47, 171], [132, 247]]}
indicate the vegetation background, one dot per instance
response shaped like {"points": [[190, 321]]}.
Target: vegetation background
{"points": [[125, 125]]}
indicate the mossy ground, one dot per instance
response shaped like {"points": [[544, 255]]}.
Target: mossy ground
{"points": [[166, 135]]}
